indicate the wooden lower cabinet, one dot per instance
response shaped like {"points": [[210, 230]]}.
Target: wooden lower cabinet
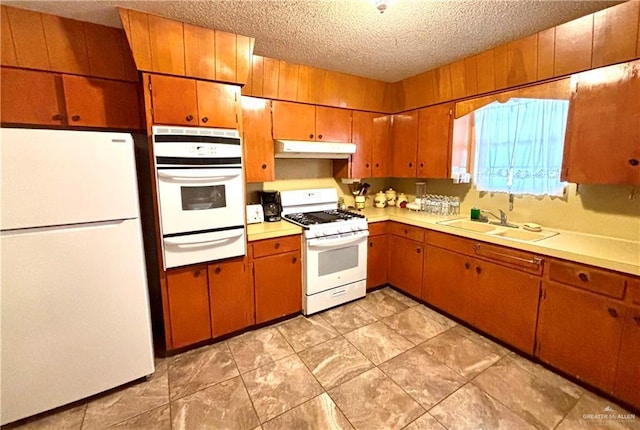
{"points": [[278, 285], [579, 332], [230, 296], [188, 297], [448, 282], [377, 260], [406, 259], [627, 385]]}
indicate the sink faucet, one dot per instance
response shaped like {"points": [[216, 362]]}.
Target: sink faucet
{"points": [[503, 219]]}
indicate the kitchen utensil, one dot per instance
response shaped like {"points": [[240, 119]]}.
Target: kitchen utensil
{"points": [[364, 189]]}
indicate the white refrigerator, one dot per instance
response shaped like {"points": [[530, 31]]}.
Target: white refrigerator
{"points": [[75, 317]]}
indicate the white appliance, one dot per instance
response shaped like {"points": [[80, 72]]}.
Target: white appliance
{"points": [[335, 248], [75, 308], [255, 214], [304, 149], [200, 193]]}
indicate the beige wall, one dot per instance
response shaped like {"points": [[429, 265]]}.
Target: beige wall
{"points": [[596, 209]]}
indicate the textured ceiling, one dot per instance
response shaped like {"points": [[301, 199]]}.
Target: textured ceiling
{"points": [[351, 36]]}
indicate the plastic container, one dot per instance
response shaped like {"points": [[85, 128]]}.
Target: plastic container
{"points": [[475, 213]]}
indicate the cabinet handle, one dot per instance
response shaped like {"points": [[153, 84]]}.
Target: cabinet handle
{"points": [[311, 136], [467, 266], [294, 260], [57, 117], [370, 244], [75, 118], [196, 273], [377, 165], [613, 312], [319, 136], [410, 164], [406, 231], [418, 250], [277, 245], [583, 277], [218, 270], [637, 319], [421, 164], [189, 117], [205, 119], [478, 270], [535, 260], [634, 162], [366, 165], [264, 166]]}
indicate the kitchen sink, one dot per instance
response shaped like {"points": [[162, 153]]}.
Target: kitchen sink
{"points": [[524, 235], [469, 225]]}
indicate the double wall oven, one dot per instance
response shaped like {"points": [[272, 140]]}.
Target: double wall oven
{"points": [[200, 194]]}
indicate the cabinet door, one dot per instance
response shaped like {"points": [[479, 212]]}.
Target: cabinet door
{"points": [[174, 100], [363, 137], [404, 138], [628, 375], [29, 97], [506, 304], [257, 141], [95, 102], [333, 124], [448, 282], [377, 260], [406, 259], [230, 296], [381, 152], [579, 332], [294, 121], [218, 104], [278, 286], [434, 143], [601, 143], [188, 297]]}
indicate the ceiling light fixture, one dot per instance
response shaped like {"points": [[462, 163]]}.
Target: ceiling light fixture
{"points": [[381, 5]]}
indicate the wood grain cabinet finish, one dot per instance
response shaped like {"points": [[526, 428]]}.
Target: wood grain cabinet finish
{"points": [[579, 332], [404, 144], [259, 161], [377, 255], [603, 126], [183, 101], [188, 297], [277, 273], [42, 98], [296, 121], [231, 296], [370, 134], [434, 141], [628, 371], [406, 259]]}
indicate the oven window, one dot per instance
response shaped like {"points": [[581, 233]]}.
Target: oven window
{"points": [[198, 198], [337, 260]]}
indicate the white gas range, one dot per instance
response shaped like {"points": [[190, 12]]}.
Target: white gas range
{"points": [[335, 248]]}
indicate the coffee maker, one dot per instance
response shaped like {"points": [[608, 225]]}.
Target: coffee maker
{"points": [[270, 201]]}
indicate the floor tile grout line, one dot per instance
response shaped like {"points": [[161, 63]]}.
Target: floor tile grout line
{"points": [[244, 385]]}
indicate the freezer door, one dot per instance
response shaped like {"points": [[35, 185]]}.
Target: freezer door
{"points": [[74, 314], [56, 177]]}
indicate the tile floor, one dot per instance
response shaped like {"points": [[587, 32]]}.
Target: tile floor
{"points": [[383, 362]]}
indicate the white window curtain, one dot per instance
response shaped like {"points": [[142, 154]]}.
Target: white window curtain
{"points": [[519, 146]]}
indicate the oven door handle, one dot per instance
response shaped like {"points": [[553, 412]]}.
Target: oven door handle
{"points": [[196, 175], [186, 243], [334, 243]]}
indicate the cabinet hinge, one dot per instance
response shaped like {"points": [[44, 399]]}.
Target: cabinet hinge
{"points": [[543, 294], [236, 118], [150, 85], [450, 112]]}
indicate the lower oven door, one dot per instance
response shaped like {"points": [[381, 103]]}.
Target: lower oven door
{"points": [[200, 199], [197, 248], [334, 261]]}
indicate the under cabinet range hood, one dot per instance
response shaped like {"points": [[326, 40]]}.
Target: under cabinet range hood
{"points": [[302, 149]]}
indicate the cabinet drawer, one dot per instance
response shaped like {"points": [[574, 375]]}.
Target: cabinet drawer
{"points": [[513, 258], [378, 228], [450, 242], [633, 291], [408, 231], [588, 278], [276, 246]]}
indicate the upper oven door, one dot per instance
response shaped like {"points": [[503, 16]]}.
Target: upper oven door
{"points": [[334, 261], [198, 199]]}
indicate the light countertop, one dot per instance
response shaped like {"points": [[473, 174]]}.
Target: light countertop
{"points": [[600, 251]]}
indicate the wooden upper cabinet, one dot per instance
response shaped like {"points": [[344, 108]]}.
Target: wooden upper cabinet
{"points": [[257, 141], [7, 50], [404, 138], [31, 97], [614, 34], [109, 54], [546, 53], [603, 126], [66, 45], [93, 102], [363, 136], [166, 39], [485, 72], [434, 141], [225, 57], [218, 104], [136, 26], [573, 46], [29, 39], [332, 124], [174, 100], [501, 66], [381, 153], [293, 121], [522, 61], [199, 52]]}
